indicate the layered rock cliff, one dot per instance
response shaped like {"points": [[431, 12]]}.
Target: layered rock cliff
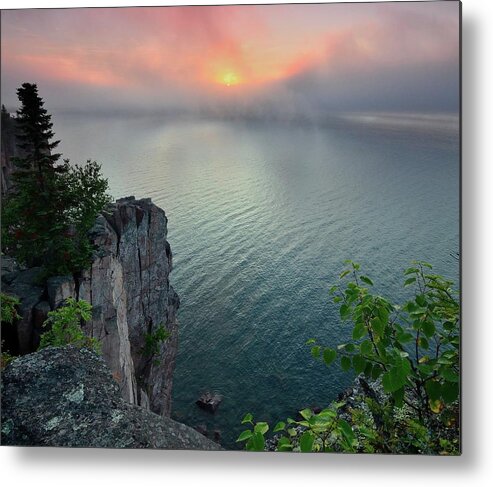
{"points": [[66, 397], [129, 289]]}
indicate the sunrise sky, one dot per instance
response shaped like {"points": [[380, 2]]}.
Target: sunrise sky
{"points": [[387, 56]]}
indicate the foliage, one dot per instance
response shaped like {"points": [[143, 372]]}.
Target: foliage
{"points": [[9, 315], [8, 307], [411, 352], [153, 340], [5, 359], [46, 216], [65, 326], [321, 432]]}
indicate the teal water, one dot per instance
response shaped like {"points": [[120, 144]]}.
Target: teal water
{"points": [[261, 216]]}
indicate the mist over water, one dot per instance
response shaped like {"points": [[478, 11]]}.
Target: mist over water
{"points": [[261, 216]]}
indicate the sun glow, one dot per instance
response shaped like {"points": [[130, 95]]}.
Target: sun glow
{"points": [[230, 79]]}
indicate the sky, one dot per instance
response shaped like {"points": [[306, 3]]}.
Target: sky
{"points": [[251, 60]]}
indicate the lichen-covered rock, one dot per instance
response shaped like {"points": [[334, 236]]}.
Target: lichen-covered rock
{"points": [[67, 397]]}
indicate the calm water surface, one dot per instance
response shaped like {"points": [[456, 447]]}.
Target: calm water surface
{"points": [[261, 216]]}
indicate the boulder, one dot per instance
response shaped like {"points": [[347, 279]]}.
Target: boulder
{"points": [[67, 397], [209, 401]]}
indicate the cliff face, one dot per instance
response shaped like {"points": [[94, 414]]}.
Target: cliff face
{"points": [[66, 397], [9, 149], [128, 287]]}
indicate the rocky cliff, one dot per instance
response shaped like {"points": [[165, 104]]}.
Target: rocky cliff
{"points": [[129, 289], [8, 150], [67, 397]]}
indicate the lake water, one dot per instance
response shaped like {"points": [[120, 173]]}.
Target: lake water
{"points": [[261, 217]]}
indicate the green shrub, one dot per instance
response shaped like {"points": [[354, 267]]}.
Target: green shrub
{"points": [[65, 326], [411, 350], [9, 315], [153, 340], [9, 308]]}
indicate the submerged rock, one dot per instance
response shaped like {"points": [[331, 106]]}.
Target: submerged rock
{"points": [[209, 401], [67, 397]]}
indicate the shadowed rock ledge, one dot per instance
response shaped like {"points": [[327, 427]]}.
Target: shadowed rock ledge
{"points": [[67, 397]]}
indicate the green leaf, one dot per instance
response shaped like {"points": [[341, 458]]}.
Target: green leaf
{"points": [[378, 326], [409, 281], [383, 314], [376, 371], [425, 369], [256, 442], [345, 363], [247, 419], [244, 436], [396, 377], [279, 426], [315, 351], [344, 311], [344, 274], [411, 270], [366, 347], [366, 280], [329, 356], [261, 427], [428, 328], [347, 431], [359, 331], [359, 364], [450, 375], [433, 389], [306, 441], [450, 392], [310, 341], [404, 337], [398, 397], [306, 413], [284, 444]]}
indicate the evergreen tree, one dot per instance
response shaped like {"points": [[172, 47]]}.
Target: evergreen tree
{"points": [[33, 216], [35, 133], [46, 217]]}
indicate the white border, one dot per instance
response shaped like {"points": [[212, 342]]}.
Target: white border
{"points": [[52, 467]]}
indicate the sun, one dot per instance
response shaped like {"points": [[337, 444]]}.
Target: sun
{"points": [[230, 78]]}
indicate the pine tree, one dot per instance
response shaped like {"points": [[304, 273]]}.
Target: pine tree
{"points": [[35, 133], [33, 216]]}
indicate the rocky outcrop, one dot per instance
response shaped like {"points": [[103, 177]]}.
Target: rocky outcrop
{"points": [[128, 286], [9, 149], [129, 289], [67, 397]]}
